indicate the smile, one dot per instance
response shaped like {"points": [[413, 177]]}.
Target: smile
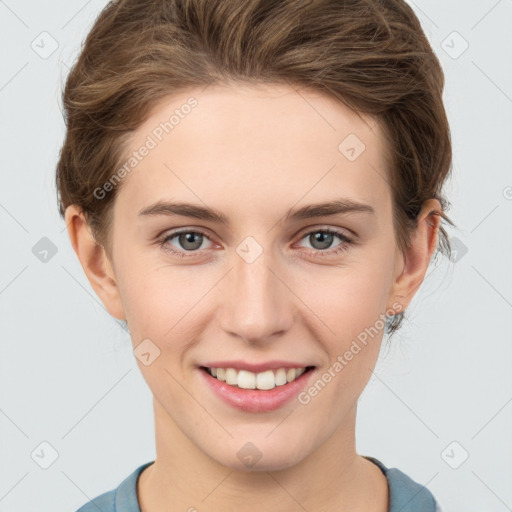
{"points": [[263, 381]]}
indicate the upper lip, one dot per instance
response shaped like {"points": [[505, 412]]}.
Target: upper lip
{"points": [[254, 367]]}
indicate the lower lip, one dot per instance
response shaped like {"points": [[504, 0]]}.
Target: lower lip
{"points": [[255, 400]]}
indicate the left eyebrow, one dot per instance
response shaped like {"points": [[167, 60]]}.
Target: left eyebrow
{"points": [[339, 206], [343, 205]]}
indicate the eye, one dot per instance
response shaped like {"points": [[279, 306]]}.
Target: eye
{"points": [[190, 243], [322, 239], [187, 241]]}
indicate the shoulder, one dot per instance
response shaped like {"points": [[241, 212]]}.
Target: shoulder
{"points": [[104, 502], [406, 495], [121, 499]]}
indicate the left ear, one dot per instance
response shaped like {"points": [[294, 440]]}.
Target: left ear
{"points": [[416, 259]]}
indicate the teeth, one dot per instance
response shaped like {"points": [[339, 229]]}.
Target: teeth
{"points": [[231, 376], [246, 380], [264, 380], [290, 375], [281, 377]]}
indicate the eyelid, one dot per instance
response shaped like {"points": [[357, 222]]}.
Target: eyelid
{"points": [[346, 242], [348, 233], [346, 239], [170, 234]]}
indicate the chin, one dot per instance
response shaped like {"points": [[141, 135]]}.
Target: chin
{"points": [[261, 466], [260, 457]]}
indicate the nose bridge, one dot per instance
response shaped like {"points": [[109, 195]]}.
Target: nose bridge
{"points": [[255, 303]]}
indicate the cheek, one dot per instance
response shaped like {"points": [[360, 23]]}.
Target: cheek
{"points": [[351, 301], [355, 310], [348, 299], [162, 308], [165, 304]]}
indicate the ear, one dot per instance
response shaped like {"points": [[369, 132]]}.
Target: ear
{"points": [[414, 262], [94, 261]]}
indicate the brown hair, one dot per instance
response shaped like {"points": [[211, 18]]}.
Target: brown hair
{"points": [[371, 55]]}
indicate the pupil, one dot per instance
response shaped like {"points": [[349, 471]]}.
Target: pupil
{"points": [[325, 240], [187, 238]]}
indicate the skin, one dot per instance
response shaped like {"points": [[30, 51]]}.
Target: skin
{"points": [[253, 152]]}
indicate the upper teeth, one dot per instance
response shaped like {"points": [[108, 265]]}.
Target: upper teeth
{"points": [[263, 380]]}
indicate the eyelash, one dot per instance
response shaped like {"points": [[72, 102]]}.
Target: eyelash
{"points": [[346, 242]]}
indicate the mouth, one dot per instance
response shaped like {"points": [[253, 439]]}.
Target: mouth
{"points": [[262, 381]]}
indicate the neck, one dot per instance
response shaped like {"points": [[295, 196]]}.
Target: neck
{"points": [[333, 477]]}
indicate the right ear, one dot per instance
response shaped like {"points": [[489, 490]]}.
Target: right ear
{"points": [[94, 261]]}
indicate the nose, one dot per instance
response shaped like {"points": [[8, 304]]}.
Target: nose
{"points": [[256, 305]]}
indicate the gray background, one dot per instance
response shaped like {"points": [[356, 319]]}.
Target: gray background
{"points": [[68, 375]]}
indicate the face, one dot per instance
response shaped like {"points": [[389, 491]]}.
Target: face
{"points": [[274, 284]]}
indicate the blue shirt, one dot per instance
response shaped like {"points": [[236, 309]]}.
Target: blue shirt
{"points": [[405, 495]]}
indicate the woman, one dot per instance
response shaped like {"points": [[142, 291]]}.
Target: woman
{"points": [[255, 188]]}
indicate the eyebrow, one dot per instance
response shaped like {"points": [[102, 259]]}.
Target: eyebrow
{"points": [[338, 206]]}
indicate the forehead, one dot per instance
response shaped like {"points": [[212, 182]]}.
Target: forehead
{"points": [[255, 144]]}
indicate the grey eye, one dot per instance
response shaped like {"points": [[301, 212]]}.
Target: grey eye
{"points": [[190, 241], [323, 239]]}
